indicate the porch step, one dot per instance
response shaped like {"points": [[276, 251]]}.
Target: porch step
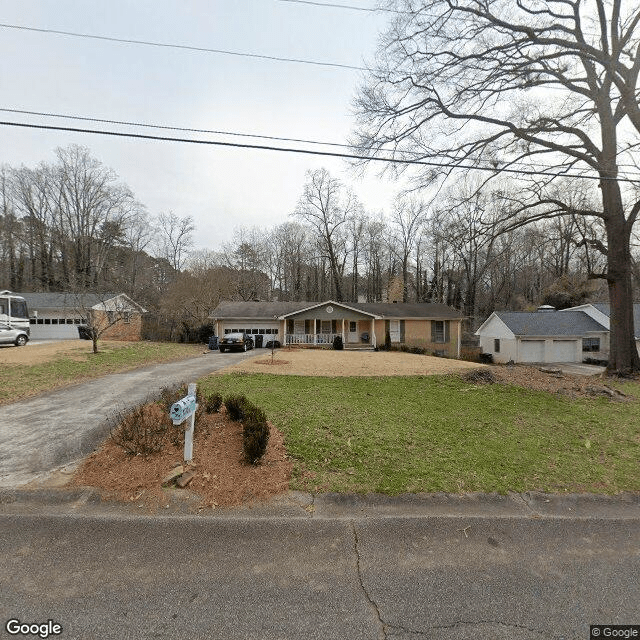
{"points": [[358, 347]]}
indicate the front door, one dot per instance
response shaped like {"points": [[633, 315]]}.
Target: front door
{"points": [[353, 332]]}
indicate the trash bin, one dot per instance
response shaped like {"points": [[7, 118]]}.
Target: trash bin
{"points": [[213, 342], [258, 340]]}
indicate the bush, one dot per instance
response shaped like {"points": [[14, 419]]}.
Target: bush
{"points": [[255, 435], [141, 431], [255, 429], [387, 341], [236, 406], [337, 343], [213, 403]]}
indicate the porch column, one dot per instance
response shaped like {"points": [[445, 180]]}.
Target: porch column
{"points": [[315, 331], [343, 341], [373, 333]]}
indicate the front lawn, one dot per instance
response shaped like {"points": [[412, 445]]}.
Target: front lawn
{"points": [[440, 433]]}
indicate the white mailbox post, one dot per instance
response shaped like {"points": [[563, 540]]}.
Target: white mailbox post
{"points": [[180, 411]]}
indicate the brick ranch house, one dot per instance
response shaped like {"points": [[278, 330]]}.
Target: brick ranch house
{"points": [[435, 327], [57, 316]]}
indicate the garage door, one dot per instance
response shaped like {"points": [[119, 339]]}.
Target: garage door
{"points": [[54, 331], [565, 351], [267, 329], [532, 351]]}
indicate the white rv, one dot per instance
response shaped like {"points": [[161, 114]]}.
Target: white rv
{"points": [[13, 311]]}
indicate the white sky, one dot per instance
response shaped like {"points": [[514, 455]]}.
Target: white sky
{"points": [[221, 188]]}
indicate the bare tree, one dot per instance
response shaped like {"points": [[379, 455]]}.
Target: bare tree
{"points": [[326, 207], [407, 217], [543, 88], [176, 238]]}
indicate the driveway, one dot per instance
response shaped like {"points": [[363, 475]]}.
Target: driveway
{"points": [[40, 434], [576, 368]]}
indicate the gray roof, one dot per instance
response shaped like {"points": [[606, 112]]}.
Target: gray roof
{"points": [[605, 307], [257, 309], [277, 309], [549, 323], [406, 309], [65, 300]]}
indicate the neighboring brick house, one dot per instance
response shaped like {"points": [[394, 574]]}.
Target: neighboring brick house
{"points": [[435, 327], [60, 315]]}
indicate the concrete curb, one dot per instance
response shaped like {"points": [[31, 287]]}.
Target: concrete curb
{"points": [[296, 505]]}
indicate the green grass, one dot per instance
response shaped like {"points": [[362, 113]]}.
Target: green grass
{"points": [[20, 381], [439, 433]]}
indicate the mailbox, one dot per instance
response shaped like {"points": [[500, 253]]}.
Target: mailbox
{"points": [[182, 409]]}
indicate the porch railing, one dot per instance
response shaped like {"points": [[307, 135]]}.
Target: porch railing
{"points": [[310, 338]]}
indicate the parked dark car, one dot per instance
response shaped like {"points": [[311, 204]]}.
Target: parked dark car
{"points": [[235, 341], [84, 333]]}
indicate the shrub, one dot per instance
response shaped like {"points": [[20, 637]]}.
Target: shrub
{"points": [[387, 340], [213, 403], [141, 431], [236, 406], [337, 343], [255, 435]]}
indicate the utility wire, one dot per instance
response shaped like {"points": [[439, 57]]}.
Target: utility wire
{"points": [[185, 47], [173, 128], [147, 125], [331, 154], [332, 5]]}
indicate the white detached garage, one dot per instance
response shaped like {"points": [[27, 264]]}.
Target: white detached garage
{"points": [[541, 336]]}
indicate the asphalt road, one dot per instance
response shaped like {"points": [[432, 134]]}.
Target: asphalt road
{"points": [[42, 433], [446, 577]]}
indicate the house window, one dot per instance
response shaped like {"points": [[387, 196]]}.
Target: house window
{"points": [[353, 326], [126, 317], [439, 331], [496, 345], [591, 344]]}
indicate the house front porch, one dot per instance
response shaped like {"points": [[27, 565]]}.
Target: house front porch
{"points": [[323, 332]]}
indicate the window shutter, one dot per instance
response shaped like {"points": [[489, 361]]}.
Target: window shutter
{"points": [[447, 336], [401, 330], [433, 331]]}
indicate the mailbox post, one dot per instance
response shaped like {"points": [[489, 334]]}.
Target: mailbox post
{"points": [[181, 411]]}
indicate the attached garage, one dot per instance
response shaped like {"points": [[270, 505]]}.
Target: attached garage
{"points": [[545, 335], [50, 328], [531, 351]]}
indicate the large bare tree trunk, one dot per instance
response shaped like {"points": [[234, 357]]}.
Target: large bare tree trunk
{"points": [[623, 356]]}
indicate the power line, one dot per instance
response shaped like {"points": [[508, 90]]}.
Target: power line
{"points": [[174, 128], [185, 47], [331, 154], [332, 5], [147, 125]]}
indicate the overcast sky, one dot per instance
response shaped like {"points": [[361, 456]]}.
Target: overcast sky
{"points": [[220, 187]]}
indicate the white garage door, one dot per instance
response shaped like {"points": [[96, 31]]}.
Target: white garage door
{"points": [[269, 330], [54, 331], [565, 351], [532, 351]]}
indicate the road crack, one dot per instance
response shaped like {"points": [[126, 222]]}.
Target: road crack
{"points": [[382, 626]]}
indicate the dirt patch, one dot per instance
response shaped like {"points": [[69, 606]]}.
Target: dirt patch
{"points": [[572, 386], [328, 362], [221, 477]]}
